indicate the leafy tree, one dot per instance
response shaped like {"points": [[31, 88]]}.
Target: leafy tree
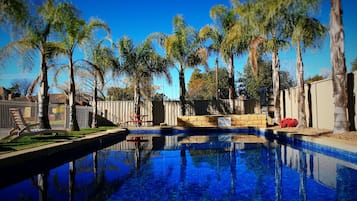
{"points": [[184, 48], [314, 79], [118, 93], [159, 97], [286, 81], [140, 63], [202, 85], [196, 85], [354, 65], [339, 76], [21, 86], [15, 90], [251, 83], [74, 32]]}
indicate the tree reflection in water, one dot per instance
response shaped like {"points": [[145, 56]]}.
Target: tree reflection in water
{"points": [[197, 170]]}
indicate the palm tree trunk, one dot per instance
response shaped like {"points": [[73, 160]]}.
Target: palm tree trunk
{"points": [[231, 84], [43, 97], [276, 85], [182, 91], [301, 89], [217, 79], [137, 97], [278, 173], [339, 77], [73, 124], [42, 185], [94, 106]]}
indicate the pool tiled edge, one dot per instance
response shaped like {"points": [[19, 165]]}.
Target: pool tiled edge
{"points": [[318, 144]]}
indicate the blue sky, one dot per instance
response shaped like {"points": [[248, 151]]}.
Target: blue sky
{"points": [[139, 18]]}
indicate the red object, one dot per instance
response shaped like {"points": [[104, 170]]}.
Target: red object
{"points": [[288, 122]]}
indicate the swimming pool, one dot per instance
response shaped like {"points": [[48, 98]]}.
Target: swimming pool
{"points": [[194, 166]]}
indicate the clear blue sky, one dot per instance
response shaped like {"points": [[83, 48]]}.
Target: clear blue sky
{"points": [[138, 18]]}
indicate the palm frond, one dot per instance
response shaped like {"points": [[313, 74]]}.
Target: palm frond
{"points": [[32, 87], [253, 53], [57, 73], [23, 48]]}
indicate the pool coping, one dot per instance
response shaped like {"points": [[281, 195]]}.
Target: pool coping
{"points": [[13, 163], [61, 146]]}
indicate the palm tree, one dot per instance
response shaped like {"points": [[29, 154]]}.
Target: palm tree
{"points": [[307, 32], [183, 47], [100, 59], [74, 32], [141, 63], [212, 33], [14, 12], [339, 76], [228, 39], [269, 20], [36, 38]]}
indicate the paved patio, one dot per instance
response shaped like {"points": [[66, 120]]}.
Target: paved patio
{"points": [[347, 137]]}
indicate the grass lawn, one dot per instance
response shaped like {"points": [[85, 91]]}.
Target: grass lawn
{"points": [[26, 142]]}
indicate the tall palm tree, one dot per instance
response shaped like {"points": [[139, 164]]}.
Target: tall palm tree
{"points": [[339, 76], [212, 33], [307, 32], [36, 38], [74, 32], [141, 63], [268, 19], [183, 47], [99, 59], [228, 38]]}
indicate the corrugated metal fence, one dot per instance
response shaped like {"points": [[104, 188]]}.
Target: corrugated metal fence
{"points": [[319, 103], [57, 114], [168, 111], [120, 111]]}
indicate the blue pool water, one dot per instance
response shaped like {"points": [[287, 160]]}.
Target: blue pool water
{"points": [[198, 167]]}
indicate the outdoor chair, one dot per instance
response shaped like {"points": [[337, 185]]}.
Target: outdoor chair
{"points": [[21, 128]]}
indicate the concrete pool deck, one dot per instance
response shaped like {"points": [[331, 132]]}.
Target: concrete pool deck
{"points": [[345, 141]]}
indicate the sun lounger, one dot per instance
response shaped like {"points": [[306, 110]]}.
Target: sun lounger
{"points": [[22, 128]]}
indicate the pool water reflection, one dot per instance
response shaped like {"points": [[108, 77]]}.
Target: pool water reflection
{"points": [[180, 167]]}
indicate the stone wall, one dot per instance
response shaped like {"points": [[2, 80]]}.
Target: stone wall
{"points": [[249, 120]]}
